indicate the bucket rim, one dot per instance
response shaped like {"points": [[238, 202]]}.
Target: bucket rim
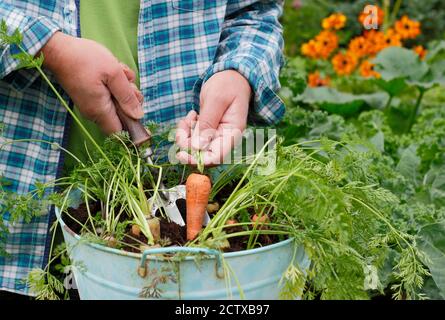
{"points": [[139, 255]]}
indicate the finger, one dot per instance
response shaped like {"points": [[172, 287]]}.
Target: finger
{"points": [[211, 112], [108, 120], [184, 129], [188, 123], [185, 158], [130, 74], [123, 92], [221, 146], [138, 93]]}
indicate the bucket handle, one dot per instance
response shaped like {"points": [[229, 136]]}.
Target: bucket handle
{"points": [[142, 270]]}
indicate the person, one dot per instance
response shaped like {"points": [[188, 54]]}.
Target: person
{"points": [[209, 66]]}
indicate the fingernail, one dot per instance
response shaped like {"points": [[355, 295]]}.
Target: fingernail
{"points": [[139, 112]]}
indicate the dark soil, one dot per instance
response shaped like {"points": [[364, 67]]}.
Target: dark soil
{"points": [[240, 243], [132, 241], [77, 218], [225, 192], [175, 233]]}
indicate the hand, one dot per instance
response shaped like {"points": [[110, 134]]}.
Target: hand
{"points": [[224, 105], [92, 77]]}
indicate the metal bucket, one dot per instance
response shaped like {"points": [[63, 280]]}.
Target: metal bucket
{"points": [[105, 273]]}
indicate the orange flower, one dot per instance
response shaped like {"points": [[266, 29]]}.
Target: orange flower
{"points": [[367, 70], [310, 49], [376, 41], [392, 39], [359, 46], [407, 28], [321, 46], [335, 21], [327, 42], [376, 15], [421, 51], [315, 80], [344, 63]]}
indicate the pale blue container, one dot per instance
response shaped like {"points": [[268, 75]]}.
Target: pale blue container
{"points": [[106, 273]]}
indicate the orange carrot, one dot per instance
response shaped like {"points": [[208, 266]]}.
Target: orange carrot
{"points": [[260, 221], [197, 188], [231, 222], [260, 218]]}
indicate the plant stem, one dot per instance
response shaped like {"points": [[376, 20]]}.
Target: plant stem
{"points": [[200, 161], [395, 11], [388, 104], [386, 9], [416, 109], [65, 105]]}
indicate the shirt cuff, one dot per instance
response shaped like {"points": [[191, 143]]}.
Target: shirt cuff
{"points": [[266, 107]]}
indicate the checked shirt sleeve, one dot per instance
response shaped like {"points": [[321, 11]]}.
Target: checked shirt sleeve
{"points": [[36, 32], [251, 43]]}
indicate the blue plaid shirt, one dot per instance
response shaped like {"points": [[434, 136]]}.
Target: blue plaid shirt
{"points": [[181, 44]]}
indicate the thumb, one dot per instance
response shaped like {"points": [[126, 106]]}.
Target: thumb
{"points": [[122, 90], [208, 121]]}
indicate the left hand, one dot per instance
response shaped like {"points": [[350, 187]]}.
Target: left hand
{"points": [[224, 105]]}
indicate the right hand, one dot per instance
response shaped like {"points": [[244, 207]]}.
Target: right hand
{"points": [[92, 76]]}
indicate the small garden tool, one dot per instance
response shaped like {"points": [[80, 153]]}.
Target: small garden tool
{"points": [[141, 137], [167, 202]]}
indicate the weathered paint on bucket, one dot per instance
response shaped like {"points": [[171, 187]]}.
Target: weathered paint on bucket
{"points": [[106, 273]]}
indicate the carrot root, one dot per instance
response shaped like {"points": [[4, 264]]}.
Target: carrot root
{"points": [[198, 187]]}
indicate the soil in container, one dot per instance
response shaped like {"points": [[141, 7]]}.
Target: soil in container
{"points": [[172, 233]]}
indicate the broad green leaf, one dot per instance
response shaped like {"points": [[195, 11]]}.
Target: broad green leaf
{"points": [[438, 189], [385, 271], [436, 51], [434, 181], [434, 77], [409, 163], [401, 64], [395, 62], [432, 243], [393, 87], [431, 290], [342, 103]]}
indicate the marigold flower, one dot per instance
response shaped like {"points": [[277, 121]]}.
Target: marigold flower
{"points": [[407, 28], [335, 21], [315, 80], [392, 39], [344, 63], [376, 41], [327, 42], [377, 15], [421, 51], [309, 49], [359, 46], [321, 46], [367, 70]]}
